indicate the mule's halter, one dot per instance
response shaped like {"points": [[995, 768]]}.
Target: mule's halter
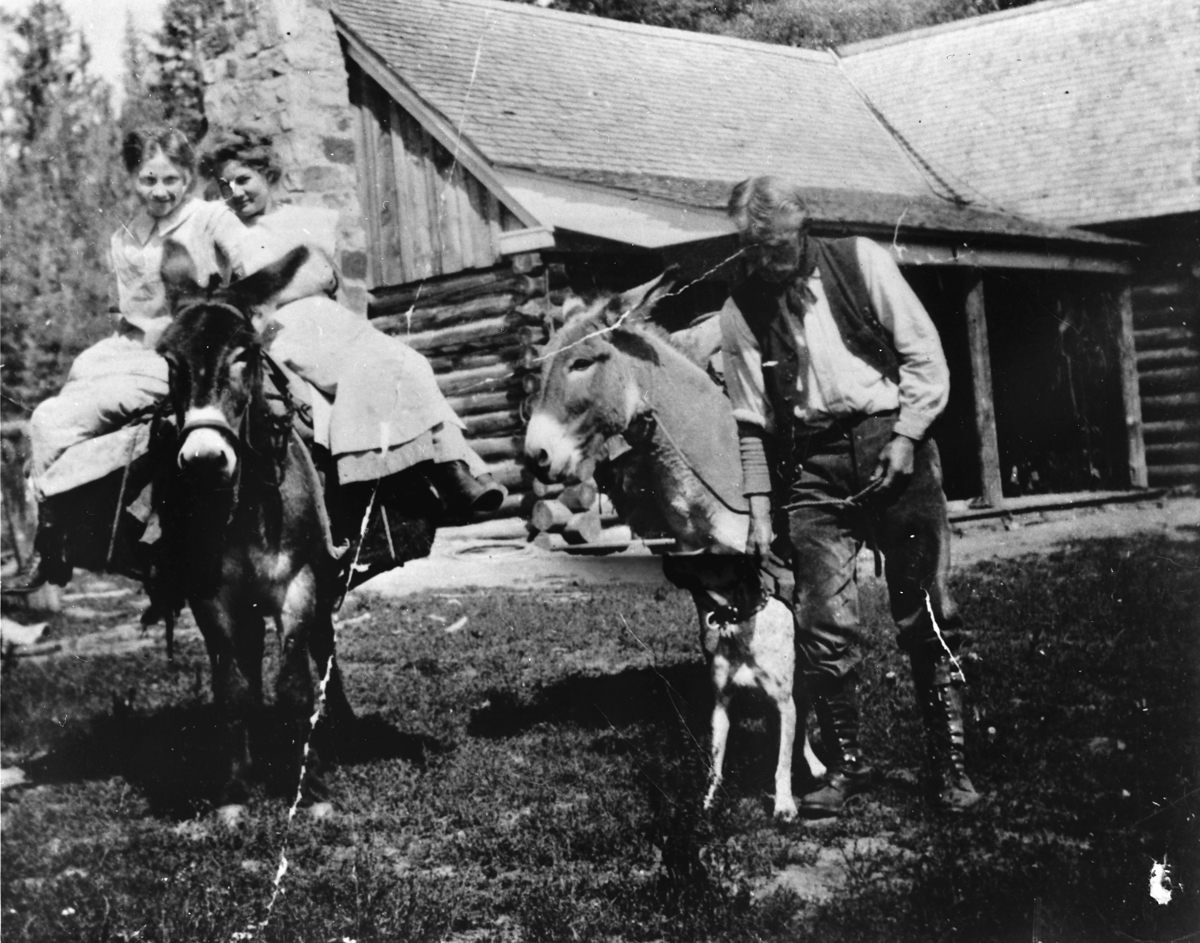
{"points": [[238, 438]]}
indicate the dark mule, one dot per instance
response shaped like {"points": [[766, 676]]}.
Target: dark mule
{"points": [[245, 531]]}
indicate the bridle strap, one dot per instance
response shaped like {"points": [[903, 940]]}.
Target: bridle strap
{"points": [[217, 425]]}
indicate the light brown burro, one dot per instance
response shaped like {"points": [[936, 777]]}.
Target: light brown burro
{"points": [[615, 390]]}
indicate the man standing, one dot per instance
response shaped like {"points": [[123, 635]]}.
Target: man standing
{"points": [[836, 371]]}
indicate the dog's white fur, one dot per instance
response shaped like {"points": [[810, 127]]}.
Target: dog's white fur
{"points": [[758, 652]]}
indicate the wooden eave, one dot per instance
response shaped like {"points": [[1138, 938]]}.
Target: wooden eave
{"points": [[441, 129]]}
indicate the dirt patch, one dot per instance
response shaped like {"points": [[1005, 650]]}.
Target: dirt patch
{"points": [[464, 565]]}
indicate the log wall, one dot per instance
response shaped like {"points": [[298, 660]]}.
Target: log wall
{"points": [[482, 332], [1166, 311]]}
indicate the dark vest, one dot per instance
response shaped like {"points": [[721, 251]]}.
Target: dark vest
{"points": [[764, 306]]}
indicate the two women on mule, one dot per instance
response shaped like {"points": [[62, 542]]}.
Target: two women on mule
{"points": [[91, 428], [835, 372]]}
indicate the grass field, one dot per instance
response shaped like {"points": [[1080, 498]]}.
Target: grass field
{"points": [[534, 775]]}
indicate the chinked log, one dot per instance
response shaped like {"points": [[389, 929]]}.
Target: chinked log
{"points": [[494, 424], [1162, 314], [445, 363], [584, 527], [1168, 288], [1173, 380], [550, 514], [1172, 452], [462, 288], [510, 473], [1148, 360], [480, 379], [490, 402], [494, 448], [1169, 430], [579, 497], [1170, 405], [1159, 338], [421, 319], [1180, 474], [482, 335]]}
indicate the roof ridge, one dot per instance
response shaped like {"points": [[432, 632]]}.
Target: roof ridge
{"points": [[667, 32], [970, 22]]}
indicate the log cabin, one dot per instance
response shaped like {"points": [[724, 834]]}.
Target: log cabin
{"points": [[486, 156]]}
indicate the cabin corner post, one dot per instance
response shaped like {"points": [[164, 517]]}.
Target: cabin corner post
{"points": [[990, 478], [1121, 313]]}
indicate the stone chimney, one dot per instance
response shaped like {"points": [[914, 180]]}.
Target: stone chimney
{"points": [[286, 74]]}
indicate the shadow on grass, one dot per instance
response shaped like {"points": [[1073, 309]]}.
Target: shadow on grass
{"points": [[598, 702], [174, 755]]}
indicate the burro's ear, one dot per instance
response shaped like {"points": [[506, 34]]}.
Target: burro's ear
{"points": [[640, 300], [179, 275], [260, 286]]}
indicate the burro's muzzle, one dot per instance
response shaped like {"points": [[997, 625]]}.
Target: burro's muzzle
{"points": [[553, 451], [208, 445]]}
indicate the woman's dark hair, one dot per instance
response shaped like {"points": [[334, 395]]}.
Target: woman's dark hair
{"points": [[143, 143], [249, 146]]}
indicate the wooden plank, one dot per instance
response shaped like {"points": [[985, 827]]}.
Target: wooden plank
{"points": [[1122, 313], [390, 245], [990, 478], [416, 173], [449, 212], [972, 258], [407, 238], [366, 179]]}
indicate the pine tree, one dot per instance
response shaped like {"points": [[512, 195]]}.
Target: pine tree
{"points": [[138, 105], [58, 195], [193, 32]]}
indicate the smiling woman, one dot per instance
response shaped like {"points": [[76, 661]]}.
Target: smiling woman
{"points": [[121, 377]]}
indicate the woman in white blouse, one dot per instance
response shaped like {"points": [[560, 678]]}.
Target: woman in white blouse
{"points": [[85, 433]]}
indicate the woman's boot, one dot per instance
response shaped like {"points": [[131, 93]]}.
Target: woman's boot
{"points": [[47, 563], [939, 684], [463, 494]]}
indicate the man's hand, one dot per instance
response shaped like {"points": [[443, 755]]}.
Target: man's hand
{"points": [[895, 462], [761, 534]]}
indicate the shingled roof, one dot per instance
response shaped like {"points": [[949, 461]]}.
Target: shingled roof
{"points": [[662, 120], [547, 90], [1071, 111]]}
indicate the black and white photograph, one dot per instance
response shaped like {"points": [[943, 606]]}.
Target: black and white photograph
{"points": [[618, 471]]}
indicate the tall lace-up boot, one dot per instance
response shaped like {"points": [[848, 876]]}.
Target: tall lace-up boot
{"points": [[848, 774], [939, 685]]}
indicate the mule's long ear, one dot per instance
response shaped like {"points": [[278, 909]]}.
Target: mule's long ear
{"points": [[179, 275], [269, 280], [640, 300]]}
